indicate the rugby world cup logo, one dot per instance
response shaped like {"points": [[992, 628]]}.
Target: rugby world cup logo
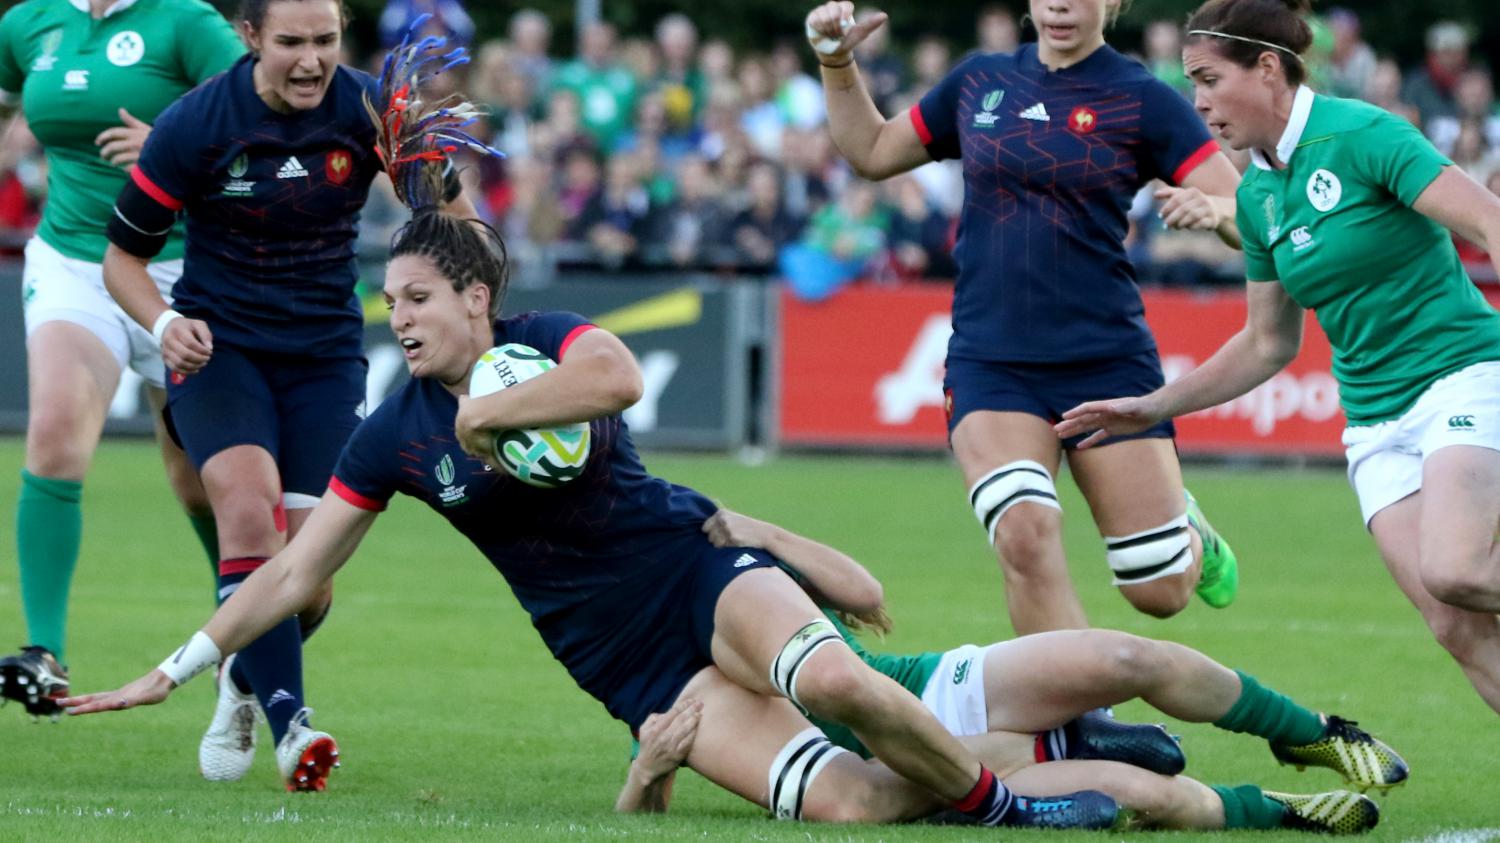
{"points": [[48, 59], [986, 118], [239, 166], [444, 472]]}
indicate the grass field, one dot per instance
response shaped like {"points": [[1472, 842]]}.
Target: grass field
{"points": [[455, 723]]}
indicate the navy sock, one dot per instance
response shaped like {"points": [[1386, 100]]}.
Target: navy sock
{"points": [[271, 665], [988, 802]]}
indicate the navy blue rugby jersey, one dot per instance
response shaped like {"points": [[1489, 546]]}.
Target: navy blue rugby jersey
{"points": [[581, 558], [1052, 161], [272, 204]]}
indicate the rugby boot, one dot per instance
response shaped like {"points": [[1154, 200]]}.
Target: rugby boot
{"points": [[1335, 812], [1362, 760], [1095, 737], [34, 678], [305, 755], [1086, 809], [1220, 582], [228, 747]]}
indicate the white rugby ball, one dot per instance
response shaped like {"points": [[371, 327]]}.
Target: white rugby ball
{"points": [[546, 458]]}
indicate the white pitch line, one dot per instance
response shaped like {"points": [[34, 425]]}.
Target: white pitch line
{"points": [[1462, 835]]}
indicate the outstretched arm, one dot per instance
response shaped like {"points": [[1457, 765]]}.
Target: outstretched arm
{"points": [[276, 591], [666, 740], [1269, 341], [875, 147], [832, 577], [1465, 208]]}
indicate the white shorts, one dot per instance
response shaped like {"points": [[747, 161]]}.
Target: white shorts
{"points": [[55, 287], [955, 691], [1385, 459]]}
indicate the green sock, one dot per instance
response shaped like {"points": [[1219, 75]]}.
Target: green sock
{"points": [[208, 535], [1247, 807], [1261, 711], [49, 526]]}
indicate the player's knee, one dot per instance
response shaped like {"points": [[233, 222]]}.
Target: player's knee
{"points": [[1129, 661], [857, 800], [1159, 599], [1459, 581], [1027, 531], [59, 443], [248, 515], [836, 688]]}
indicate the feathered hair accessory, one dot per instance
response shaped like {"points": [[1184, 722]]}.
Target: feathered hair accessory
{"points": [[415, 137]]}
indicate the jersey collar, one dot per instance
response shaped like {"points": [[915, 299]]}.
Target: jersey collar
{"points": [[1296, 124], [115, 7]]}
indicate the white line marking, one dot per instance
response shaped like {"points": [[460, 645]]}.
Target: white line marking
{"points": [[1462, 835]]}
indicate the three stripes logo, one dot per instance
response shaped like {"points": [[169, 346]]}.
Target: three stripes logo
{"points": [[1463, 424], [1037, 112], [292, 169]]}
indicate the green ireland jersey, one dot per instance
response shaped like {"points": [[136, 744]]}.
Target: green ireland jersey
{"points": [[910, 672], [606, 99], [73, 73], [1337, 229]]}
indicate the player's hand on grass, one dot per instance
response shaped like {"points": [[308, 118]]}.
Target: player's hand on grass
{"points": [[121, 145], [186, 345], [148, 690], [833, 33], [1115, 417], [727, 528], [1187, 208], [666, 740]]}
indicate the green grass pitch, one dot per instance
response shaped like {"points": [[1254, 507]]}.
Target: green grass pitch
{"points": [[455, 723]]}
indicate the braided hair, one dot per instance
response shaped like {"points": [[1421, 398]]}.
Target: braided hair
{"points": [[466, 252]]}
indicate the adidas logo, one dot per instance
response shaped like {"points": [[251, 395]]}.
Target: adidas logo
{"points": [[745, 559], [1036, 112], [292, 169], [280, 696]]}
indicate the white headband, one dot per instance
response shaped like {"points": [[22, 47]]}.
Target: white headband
{"points": [[1286, 50]]}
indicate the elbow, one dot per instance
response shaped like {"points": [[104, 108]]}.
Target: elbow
{"points": [[1278, 352], [866, 597], [620, 381]]}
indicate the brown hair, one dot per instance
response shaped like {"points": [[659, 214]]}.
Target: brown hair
{"points": [[1278, 25]]}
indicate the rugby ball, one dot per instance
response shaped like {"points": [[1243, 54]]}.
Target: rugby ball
{"points": [[546, 458]]}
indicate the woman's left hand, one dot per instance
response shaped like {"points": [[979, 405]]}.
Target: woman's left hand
{"points": [[477, 441], [121, 145], [1187, 208]]}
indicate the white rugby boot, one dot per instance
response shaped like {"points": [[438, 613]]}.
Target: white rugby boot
{"points": [[305, 755], [228, 747]]}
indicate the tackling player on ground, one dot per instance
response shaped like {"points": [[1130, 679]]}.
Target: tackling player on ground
{"points": [[271, 163], [1347, 211], [1055, 140], [987, 695], [89, 77]]}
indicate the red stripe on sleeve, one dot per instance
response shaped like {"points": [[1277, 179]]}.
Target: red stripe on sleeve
{"points": [[920, 124], [337, 486], [572, 335], [145, 183], [1194, 160]]}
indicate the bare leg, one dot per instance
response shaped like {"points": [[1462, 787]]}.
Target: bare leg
{"points": [[1472, 638], [1158, 801], [1460, 512], [1028, 537]]}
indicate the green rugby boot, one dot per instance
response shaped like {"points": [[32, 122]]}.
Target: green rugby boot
{"points": [[1220, 582], [1335, 812], [1362, 760]]}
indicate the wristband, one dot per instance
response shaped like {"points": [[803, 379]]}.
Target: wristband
{"points": [[159, 329], [191, 659], [824, 45]]}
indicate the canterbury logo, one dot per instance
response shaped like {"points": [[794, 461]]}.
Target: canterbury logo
{"points": [[1460, 422], [961, 673], [1301, 237], [1036, 112]]}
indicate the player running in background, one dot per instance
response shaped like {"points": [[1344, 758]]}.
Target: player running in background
{"points": [[613, 567], [1056, 139], [88, 77], [1347, 211], [271, 163], [985, 695]]}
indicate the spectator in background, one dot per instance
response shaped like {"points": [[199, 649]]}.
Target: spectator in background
{"points": [[716, 67], [806, 182], [997, 29], [1163, 43], [1472, 152], [799, 96], [838, 245], [530, 35], [760, 116], [930, 62], [885, 74], [449, 20], [605, 89], [615, 221], [696, 219], [560, 130], [1474, 107], [1352, 62], [512, 101], [764, 227], [678, 81], [920, 241], [579, 187], [23, 185], [1431, 87], [1384, 89]]}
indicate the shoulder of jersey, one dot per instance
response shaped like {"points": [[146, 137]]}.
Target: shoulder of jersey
{"points": [[1354, 115]]}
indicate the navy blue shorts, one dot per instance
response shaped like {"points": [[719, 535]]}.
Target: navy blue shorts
{"points": [[659, 632], [1048, 390], [300, 410]]}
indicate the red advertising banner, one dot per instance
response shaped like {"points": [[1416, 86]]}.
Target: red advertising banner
{"points": [[866, 368]]}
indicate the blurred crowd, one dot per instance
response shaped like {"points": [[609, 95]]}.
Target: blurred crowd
{"points": [[677, 152]]}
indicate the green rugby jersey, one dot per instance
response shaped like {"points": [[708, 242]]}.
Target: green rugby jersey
{"points": [[73, 73], [1337, 229]]}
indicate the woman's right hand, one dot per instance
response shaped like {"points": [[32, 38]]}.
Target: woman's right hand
{"points": [[833, 33], [186, 345], [1103, 419]]}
